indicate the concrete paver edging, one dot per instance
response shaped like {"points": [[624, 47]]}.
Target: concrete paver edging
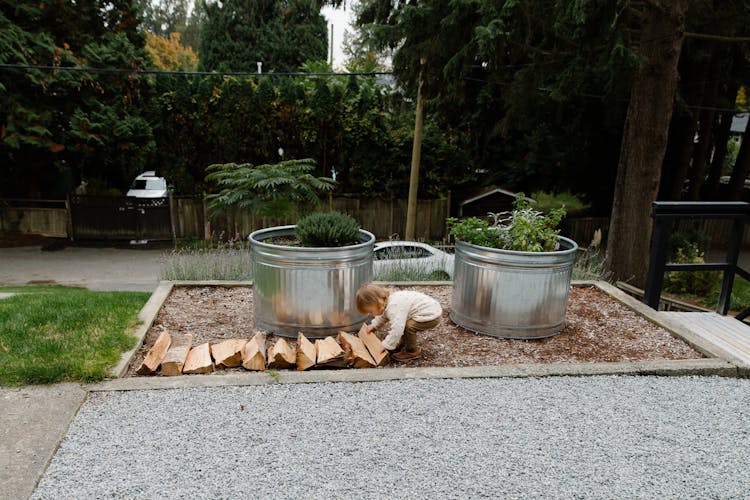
{"points": [[715, 364]]}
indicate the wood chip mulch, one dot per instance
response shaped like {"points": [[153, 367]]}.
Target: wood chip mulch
{"points": [[598, 329]]}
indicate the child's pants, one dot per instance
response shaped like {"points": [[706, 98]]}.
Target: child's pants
{"points": [[411, 329]]}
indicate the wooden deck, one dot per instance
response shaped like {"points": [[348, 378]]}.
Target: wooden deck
{"points": [[729, 337]]}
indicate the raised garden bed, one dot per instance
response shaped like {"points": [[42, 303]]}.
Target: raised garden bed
{"points": [[598, 328]]}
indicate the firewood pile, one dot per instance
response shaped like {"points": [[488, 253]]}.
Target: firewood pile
{"points": [[174, 354]]}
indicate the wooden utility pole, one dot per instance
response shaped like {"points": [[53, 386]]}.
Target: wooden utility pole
{"points": [[416, 154]]}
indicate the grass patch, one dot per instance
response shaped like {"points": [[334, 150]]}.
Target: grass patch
{"points": [[195, 264], [53, 333], [739, 300]]}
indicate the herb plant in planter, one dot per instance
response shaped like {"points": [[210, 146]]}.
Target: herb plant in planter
{"points": [[310, 285], [512, 274]]}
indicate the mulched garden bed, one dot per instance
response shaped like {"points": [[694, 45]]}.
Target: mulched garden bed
{"points": [[598, 329]]}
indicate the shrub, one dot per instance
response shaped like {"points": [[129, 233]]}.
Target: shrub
{"points": [[331, 229], [546, 202], [692, 282], [524, 229]]}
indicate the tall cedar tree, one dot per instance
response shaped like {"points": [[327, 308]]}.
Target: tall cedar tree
{"points": [[644, 140], [280, 34]]}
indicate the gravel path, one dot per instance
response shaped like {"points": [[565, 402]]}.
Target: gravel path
{"points": [[559, 437]]}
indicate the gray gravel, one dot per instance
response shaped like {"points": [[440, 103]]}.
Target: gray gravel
{"points": [[592, 437]]}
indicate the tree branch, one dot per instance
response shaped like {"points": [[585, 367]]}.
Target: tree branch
{"points": [[717, 38]]}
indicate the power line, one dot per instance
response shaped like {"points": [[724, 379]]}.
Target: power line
{"points": [[119, 71]]}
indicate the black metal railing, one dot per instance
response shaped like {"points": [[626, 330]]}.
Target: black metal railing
{"points": [[665, 213]]}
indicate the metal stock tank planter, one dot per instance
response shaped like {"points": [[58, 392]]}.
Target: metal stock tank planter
{"points": [[512, 275], [310, 289], [512, 294]]}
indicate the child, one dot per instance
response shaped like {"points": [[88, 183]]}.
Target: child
{"points": [[407, 313]]}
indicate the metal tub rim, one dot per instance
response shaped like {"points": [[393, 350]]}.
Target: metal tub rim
{"points": [[258, 243], [572, 247]]}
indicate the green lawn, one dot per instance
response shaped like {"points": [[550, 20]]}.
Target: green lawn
{"points": [[53, 333]]}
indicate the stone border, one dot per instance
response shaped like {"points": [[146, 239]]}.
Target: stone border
{"points": [[696, 367], [714, 364], [700, 344], [146, 316]]}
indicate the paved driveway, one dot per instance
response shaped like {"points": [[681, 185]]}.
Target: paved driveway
{"points": [[93, 268]]}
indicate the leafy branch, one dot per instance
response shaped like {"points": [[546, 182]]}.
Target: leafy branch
{"points": [[274, 190]]}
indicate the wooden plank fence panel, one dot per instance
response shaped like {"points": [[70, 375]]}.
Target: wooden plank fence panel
{"points": [[52, 222], [385, 218]]}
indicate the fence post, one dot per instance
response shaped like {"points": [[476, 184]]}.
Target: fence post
{"points": [[70, 217], [172, 213], [206, 221]]}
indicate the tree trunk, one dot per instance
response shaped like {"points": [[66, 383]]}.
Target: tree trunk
{"points": [[741, 167], [700, 155], [644, 140], [705, 132], [677, 156]]}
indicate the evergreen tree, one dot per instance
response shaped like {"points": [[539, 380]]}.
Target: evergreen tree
{"points": [[280, 34], [164, 17], [59, 126]]}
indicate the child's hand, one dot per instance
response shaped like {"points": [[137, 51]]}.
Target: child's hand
{"points": [[365, 328]]}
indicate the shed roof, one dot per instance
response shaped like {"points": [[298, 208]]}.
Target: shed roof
{"points": [[510, 194]]}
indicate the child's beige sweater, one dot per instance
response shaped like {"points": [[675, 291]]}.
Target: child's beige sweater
{"points": [[402, 306]]}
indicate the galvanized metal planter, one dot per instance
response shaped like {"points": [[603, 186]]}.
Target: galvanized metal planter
{"points": [[511, 294], [308, 289]]}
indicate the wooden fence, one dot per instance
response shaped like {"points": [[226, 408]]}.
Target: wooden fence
{"points": [[190, 219], [42, 217], [386, 218]]}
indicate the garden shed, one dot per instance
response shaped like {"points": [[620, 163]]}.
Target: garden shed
{"points": [[494, 200]]}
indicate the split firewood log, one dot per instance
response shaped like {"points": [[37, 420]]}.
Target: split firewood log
{"points": [[281, 355], [228, 353], [306, 352], [156, 354], [199, 360], [374, 347], [254, 353], [355, 351], [176, 355], [330, 354]]}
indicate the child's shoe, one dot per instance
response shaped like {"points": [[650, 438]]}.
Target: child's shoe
{"points": [[404, 355]]}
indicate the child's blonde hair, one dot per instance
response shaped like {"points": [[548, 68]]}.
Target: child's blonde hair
{"points": [[370, 294]]}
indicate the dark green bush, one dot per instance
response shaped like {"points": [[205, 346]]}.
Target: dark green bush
{"points": [[331, 229]]}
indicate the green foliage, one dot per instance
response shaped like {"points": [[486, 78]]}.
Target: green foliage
{"points": [[533, 84], [739, 300], [327, 229], [700, 283], [54, 334], [64, 126], [197, 264], [524, 229], [282, 35], [546, 202], [268, 190]]}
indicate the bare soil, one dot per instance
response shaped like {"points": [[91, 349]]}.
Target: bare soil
{"points": [[598, 328]]}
